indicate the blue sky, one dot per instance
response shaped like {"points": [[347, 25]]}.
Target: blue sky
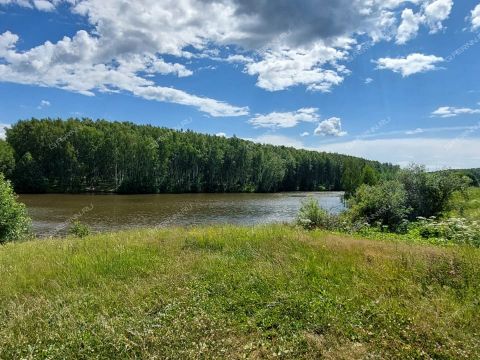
{"points": [[390, 80]]}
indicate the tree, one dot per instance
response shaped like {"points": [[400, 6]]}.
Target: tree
{"points": [[28, 176], [7, 159], [369, 175], [85, 155], [14, 222]]}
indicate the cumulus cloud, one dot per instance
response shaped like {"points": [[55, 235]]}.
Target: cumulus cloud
{"points": [[285, 119], [279, 70], [80, 64], [368, 81], [408, 29], [280, 42], [432, 14], [330, 127], [449, 111], [436, 12], [412, 64], [475, 18], [306, 133]]}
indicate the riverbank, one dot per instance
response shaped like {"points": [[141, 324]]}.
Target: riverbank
{"points": [[228, 292]]}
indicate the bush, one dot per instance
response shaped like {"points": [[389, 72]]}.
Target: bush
{"points": [[384, 204], [79, 230], [430, 193], [14, 221], [312, 216], [452, 230]]}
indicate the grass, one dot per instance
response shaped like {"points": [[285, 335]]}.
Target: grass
{"points": [[469, 208], [237, 292]]}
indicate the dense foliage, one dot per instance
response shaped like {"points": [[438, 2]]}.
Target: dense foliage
{"points": [[428, 194], [403, 205], [473, 174], [456, 230], [385, 204], [14, 222], [7, 159], [85, 155]]}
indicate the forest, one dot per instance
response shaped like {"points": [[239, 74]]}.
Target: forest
{"points": [[83, 155]]}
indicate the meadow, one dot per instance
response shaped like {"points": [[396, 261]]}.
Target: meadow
{"points": [[272, 291], [469, 207]]}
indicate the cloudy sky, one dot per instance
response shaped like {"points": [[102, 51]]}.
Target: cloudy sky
{"points": [[391, 80]]}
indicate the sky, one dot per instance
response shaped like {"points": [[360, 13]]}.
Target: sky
{"points": [[390, 80]]}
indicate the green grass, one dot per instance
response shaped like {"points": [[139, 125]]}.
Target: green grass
{"points": [[233, 292], [469, 208]]}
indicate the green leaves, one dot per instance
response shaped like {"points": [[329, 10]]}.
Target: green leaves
{"points": [[84, 155], [14, 222]]}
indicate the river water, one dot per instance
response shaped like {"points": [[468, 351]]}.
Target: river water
{"points": [[52, 214]]}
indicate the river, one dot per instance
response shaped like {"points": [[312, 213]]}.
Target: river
{"points": [[52, 214]]}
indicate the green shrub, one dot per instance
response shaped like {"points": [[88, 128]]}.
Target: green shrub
{"points": [[79, 230], [429, 194], [451, 230], [384, 204], [312, 216], [14, 221]]}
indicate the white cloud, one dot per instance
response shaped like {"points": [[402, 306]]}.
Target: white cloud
{"points": [[43, 104], [449, 111], [44, 5], [330, 127], [434, 153], [300, 43], [238, 58], [436, 12], [221, 134], [475, 17], [80, 64], [412, 64], [282, 69], [306, 133], [408, 29], [432, 14], [3, 127], [285, 119], [368, 81]]}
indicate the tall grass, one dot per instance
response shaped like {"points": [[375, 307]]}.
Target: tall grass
{"points": [[234, 292]]}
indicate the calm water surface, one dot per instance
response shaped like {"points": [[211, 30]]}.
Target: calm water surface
{"points": [[52, 214]]}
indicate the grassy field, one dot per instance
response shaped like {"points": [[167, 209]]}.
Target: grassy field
{"points": [[469, 208], [232, 292]]}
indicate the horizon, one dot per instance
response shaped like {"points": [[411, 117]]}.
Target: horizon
{"points": [[392, 81]]}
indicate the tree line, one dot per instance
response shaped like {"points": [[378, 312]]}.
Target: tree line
{"points": [[82, 155]]}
